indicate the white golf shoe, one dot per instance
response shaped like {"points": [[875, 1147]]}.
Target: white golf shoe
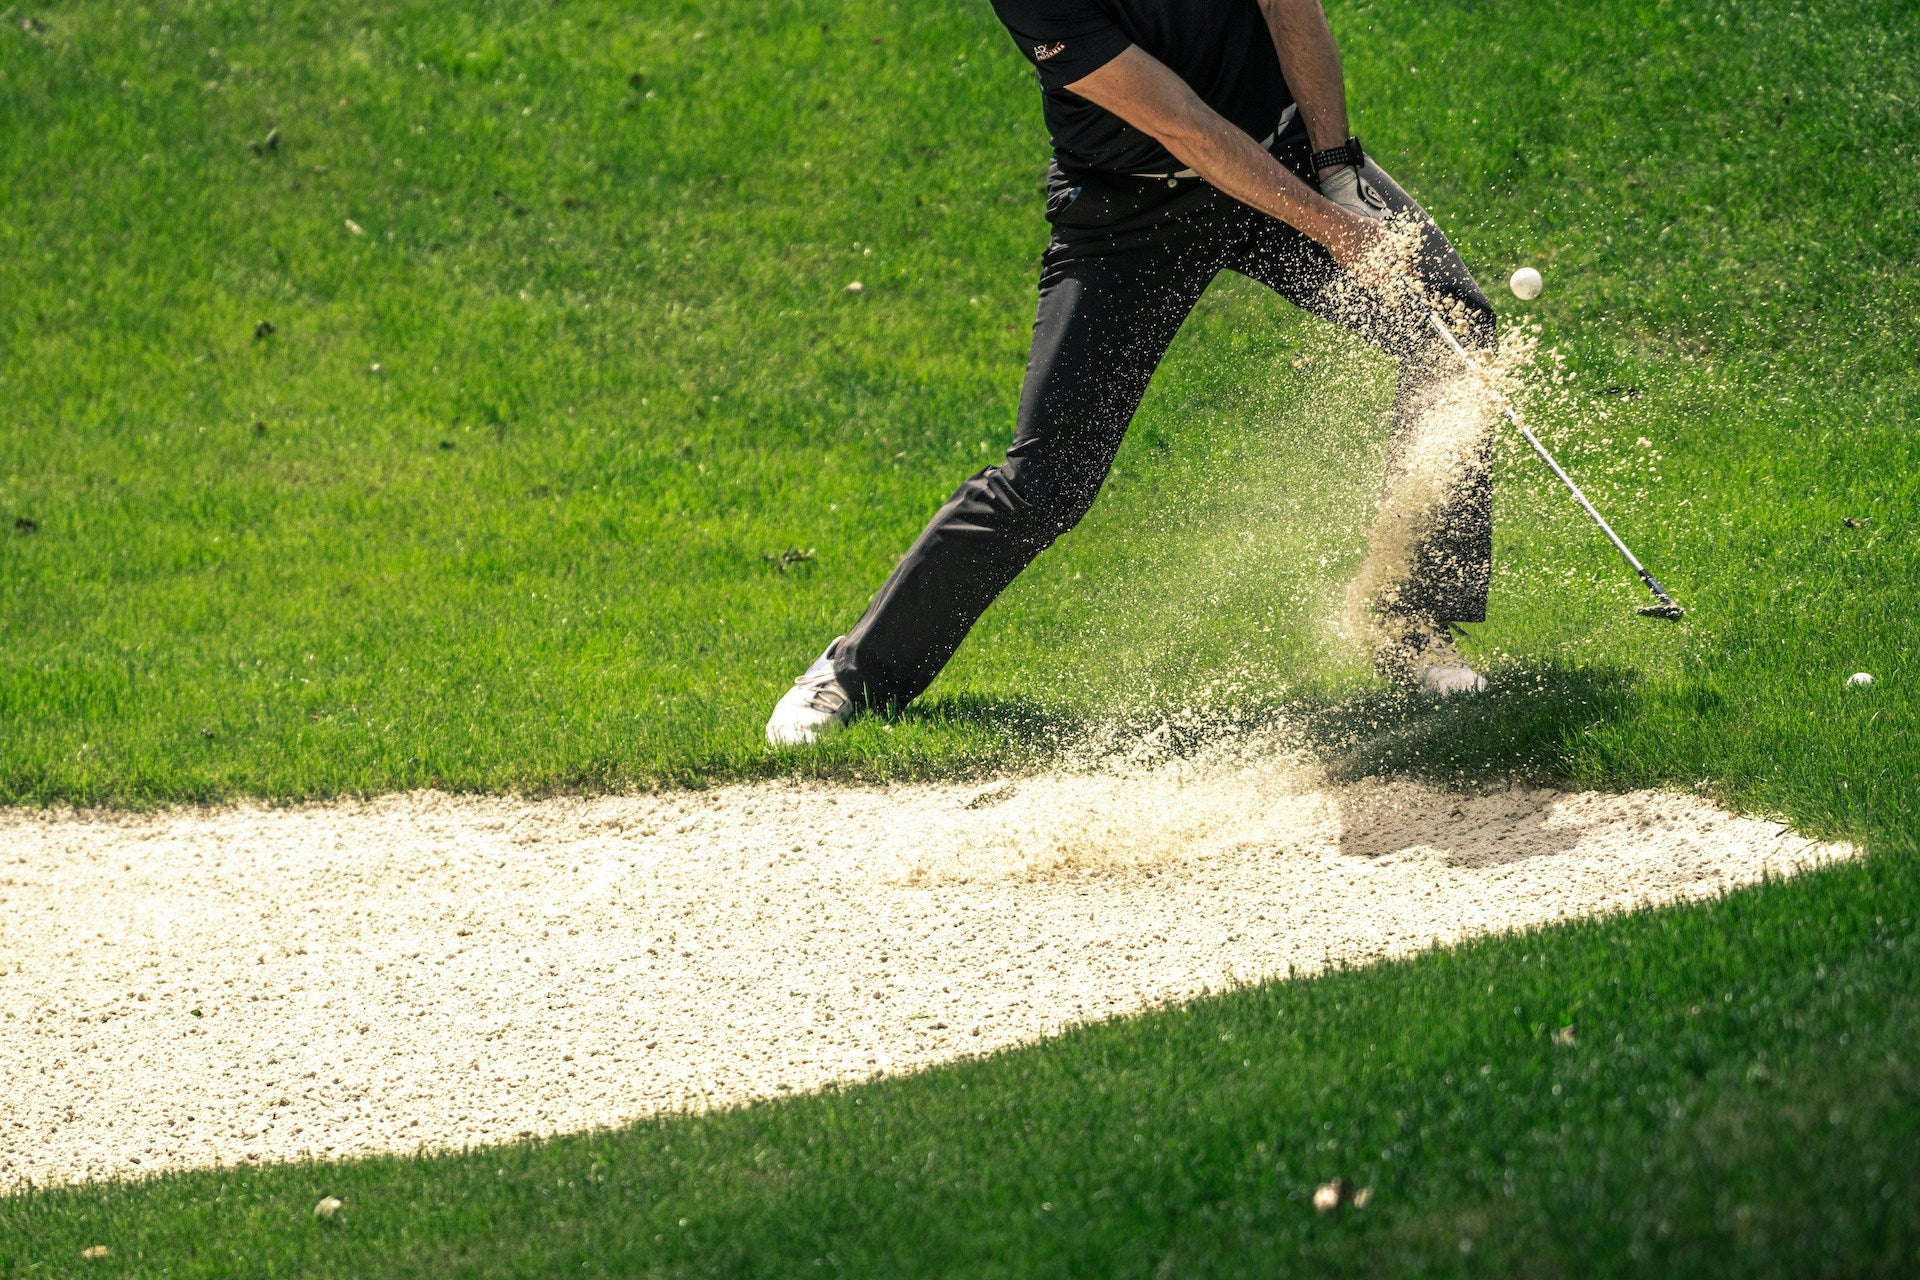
{"points": [[815, 706], [1422, 655], [1440, 670]]}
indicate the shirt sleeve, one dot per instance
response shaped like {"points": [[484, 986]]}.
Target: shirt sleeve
{"points": [[1063, 39]]}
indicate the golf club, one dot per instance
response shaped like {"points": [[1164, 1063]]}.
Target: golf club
{"points": [[1666, 608]]}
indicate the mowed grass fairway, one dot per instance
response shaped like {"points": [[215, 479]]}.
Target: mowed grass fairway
{"points": [[599, 263], [560, 365]]}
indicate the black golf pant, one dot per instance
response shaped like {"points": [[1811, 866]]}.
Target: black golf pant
{"points": [[1128, 260]]}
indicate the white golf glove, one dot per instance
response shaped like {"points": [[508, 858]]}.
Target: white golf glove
{"points": [[1346, 188]]}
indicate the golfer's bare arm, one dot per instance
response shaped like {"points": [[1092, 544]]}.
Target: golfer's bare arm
{"points": [[1141, 90], [1310, 60]]}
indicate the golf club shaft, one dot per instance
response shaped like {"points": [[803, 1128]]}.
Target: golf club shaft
{"points": [[1513, 416]]}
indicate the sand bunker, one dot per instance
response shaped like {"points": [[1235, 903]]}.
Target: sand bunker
{"points": [[217, 986]]}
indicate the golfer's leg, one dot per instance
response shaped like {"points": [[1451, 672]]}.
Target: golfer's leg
{"points": [[1102, 325], [1434, 543], [1437, 408]]}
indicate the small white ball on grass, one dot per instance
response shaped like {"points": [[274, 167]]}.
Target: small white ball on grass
{"points": [[1526, 284], [1859, 679], [327, 1208]]}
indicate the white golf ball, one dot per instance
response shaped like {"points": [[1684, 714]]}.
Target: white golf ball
{"points": [[1525, 284], [1860, 679]]}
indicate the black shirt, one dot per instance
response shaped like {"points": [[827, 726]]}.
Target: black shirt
{"points": [[1222, 48]]}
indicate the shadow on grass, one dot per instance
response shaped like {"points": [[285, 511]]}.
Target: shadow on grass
{"points": [[943, 738], [1028, 726], [1527, 724]]}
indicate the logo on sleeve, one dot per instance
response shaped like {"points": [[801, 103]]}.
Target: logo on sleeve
{"points": [[1041, 52]]}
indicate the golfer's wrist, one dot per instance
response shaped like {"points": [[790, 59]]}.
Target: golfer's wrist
{"points": [[1334, 229], [1341, 223]]}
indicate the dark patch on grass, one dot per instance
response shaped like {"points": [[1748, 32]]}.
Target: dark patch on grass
{"points": [[788, 559], [1527, 723], [1030, 726]]}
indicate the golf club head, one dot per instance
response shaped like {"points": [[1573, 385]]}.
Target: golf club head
{"points": [[1665, 609]]}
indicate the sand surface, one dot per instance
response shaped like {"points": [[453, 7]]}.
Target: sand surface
{"points": [[202, 987]]}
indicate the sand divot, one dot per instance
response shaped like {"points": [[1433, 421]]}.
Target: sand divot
{"points": [[204, 987]]}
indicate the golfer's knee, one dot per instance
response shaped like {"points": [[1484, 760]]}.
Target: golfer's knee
{"points": [[1050, 499], [1469, 316], [1479, 327], [1424, 356]]}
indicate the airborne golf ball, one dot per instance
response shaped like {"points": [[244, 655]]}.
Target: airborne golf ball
{"points": [[1525, 284], [1860, 678]]}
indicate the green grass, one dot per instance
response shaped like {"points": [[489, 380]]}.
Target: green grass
{"points": [[618, 376], [618, 373]]}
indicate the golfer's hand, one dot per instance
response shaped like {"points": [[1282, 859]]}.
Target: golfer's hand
{"points": [[1346, 188], [1363, 246]]}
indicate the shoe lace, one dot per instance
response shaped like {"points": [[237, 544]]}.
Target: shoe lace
{"points": [[822, 692]]}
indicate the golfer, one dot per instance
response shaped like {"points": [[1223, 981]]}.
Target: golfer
{"points": [[1192, 137]]}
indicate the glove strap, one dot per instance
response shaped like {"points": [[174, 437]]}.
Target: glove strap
{"points": [[1349, 152]]}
